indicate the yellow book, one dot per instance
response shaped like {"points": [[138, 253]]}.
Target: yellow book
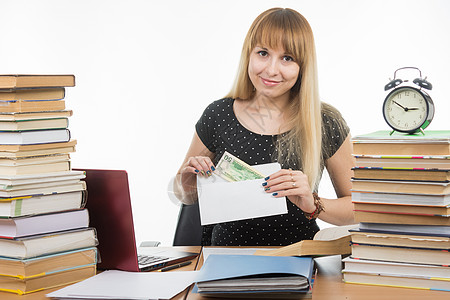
{"points": [[33, 94], [46, 281], [17, 81], [43, 265]]}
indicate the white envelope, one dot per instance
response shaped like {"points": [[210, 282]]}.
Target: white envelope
{"points": [[223, 201]]}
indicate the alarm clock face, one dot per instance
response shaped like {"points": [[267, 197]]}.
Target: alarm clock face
{"points": [[405, 109]]}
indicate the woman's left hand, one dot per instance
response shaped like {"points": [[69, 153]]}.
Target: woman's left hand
{"points": [[292, 184]]}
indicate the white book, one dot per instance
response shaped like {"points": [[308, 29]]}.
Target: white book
{"points": [[405, 269], [45, 190], [394, 198], [33, 205], [11, 182], [37, 124], [59, 166], [34, 137], [37, 245], [41, 224], [40, 185], [406, 228]]}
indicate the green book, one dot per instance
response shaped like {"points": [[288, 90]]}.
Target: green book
{"points": [[385, 136]]}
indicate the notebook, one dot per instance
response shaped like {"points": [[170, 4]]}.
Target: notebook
{"points": [[110, 213]]}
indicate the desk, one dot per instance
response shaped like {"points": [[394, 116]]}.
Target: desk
{"points": [[328, 286]]}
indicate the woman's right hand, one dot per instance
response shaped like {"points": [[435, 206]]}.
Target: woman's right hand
{"points": [[187, 177], [198, 165], [198, 160]]}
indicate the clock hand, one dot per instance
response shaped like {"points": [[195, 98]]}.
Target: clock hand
{"points": [[400, 105], [406, 108]]}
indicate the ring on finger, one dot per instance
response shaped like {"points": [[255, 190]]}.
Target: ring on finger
{"points": [[290, 173], [293, 184]]}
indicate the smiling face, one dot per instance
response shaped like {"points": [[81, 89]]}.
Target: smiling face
{"points": [[273, 72]]}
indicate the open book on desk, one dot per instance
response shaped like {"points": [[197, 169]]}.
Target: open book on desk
{"points": [[251, 276], [328, 241]]}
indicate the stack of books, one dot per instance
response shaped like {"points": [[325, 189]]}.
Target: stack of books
{"points": [[45, 240], [401, 196]]}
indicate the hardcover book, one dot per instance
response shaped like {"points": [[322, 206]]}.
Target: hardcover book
{"points": [[401, 218], [38, 124], [31, 105], [405, 239], [37, 266], [41, 204], [46, 281], [17, 151], [49, 243], [403, 161], [34, 137], [18, 116], [423, 210], [33, 94], [401, 199], [383, 143], [405, 228], [430, 256], [41, 224], [401, 187], [436, 175], [17, 81], [408, 269], [417, 281]]}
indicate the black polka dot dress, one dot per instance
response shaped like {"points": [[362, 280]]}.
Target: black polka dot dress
{"points": [[220, 131]]}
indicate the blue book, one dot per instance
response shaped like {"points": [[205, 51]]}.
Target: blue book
{"points": [[252, 274]]}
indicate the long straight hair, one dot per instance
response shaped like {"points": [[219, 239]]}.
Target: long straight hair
{"points": [[286, 28]]}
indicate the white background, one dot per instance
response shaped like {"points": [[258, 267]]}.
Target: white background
{"points": [[145, 70]]}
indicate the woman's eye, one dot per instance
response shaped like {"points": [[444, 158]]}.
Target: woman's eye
{"points": [[263, 53], [288, 58]]}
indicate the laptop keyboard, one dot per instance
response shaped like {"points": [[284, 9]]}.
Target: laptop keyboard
{"points": [[147, 259]]}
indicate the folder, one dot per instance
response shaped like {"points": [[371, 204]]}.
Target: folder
{"points": [[252, 274]]}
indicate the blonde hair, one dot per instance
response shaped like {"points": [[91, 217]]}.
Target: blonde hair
{"points": [[286, 28]]}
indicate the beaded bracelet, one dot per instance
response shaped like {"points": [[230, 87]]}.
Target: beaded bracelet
{"points": [[319, 208]]}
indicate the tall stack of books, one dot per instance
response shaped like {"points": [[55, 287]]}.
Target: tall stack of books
{"points": [[45, 240], [401, 196]]}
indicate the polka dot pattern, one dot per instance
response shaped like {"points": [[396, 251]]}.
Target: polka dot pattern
{"points": [[220, 131]]}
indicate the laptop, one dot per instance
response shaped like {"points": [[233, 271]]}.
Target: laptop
{"points": [[110, 213]]}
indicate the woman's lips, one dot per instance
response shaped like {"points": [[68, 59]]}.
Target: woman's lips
{"points": [[269, 82]]}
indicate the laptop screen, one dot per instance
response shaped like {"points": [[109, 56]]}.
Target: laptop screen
{"points": [[110, 213]]}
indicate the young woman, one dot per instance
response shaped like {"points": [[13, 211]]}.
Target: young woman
{"points": [[273, 113]]}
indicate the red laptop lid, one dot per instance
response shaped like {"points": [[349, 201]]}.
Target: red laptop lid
{"points": [[109, 206]]}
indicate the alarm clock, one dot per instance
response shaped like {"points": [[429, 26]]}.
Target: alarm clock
{"points": [[408, 108]]}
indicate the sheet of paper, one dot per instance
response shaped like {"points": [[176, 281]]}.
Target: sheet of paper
{"points": [[223, 201], [129, 285]]}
